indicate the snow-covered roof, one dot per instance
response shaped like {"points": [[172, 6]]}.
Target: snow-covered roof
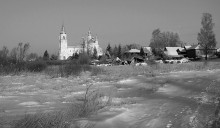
{"points": [[187, 47], [134, 51], [172, 51], [147, 49], [181, 50], [195, 47]]}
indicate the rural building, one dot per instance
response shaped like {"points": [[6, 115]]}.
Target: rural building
{"points": [[135, 59], [148, 50], [196, 51], [182, 51], [218, 50], [66, 51], [134, 52]]}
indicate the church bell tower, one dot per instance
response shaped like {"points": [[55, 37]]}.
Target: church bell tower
{"points": [[63, 44]]}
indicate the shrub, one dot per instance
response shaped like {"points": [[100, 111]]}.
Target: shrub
{"points": [[4, 70], [151, 62], [42, 120], [217, 54], [55, 62], [20, 66], [36, 66], [96, 70], [88, 104], [83, 59], [75, 69], [12, 67]]}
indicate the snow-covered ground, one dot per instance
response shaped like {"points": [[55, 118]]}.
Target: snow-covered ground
{"points": [[168, 100]]}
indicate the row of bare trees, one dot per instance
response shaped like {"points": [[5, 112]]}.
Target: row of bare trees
{"points": [[17, 54], [20, 54]]}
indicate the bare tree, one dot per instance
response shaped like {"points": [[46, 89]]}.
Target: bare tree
{"points": [[32, 57], [109, 49], [119, 54], [115, 51], [142, 53], [25, 50], [4, 52], [14, 54], [83, 44], [4, 56], [19, 53], [22, 51], [95, 53], [206, 37], [164, 39]]}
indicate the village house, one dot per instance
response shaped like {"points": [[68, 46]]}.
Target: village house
{"points": [[183, 50], [192, 52], [148, 50], [136, 52], [132, 52], [196, 51]]}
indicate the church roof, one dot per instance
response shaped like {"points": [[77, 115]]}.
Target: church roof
{"points": [[74, 46], [91, 40]]}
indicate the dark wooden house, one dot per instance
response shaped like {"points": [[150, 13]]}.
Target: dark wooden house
{"points": [[196, 52]]}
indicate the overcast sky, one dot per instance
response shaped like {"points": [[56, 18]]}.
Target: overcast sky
{"points": [[114, 21]]}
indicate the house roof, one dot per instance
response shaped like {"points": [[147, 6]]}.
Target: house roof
{"points": [[147, 49], [181, 49], [187, 47], [171, 51], [195, 47], [137, 58], [134, 51]]}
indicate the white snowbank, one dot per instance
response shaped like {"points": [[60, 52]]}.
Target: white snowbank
{"points": [[30, 104], [127, 81]]}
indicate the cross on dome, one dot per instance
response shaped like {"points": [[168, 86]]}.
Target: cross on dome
{"points": [[63, 29]]}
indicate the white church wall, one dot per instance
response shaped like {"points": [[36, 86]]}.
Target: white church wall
{"points": [[66, 51]]}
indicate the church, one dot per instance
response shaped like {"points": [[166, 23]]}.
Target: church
{"points": [[90, 43]]}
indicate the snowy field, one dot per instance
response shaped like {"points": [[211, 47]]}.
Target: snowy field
{"points": [[176, 99]]}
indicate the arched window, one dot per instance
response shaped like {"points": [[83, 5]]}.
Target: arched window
{"points": [[64, 37]]}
